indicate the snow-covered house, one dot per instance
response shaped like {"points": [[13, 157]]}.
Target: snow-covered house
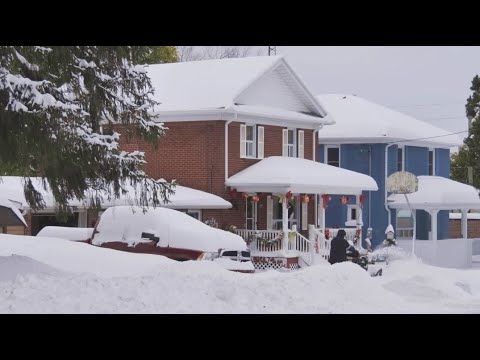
{"points": [[245, 129], [378, 141], [190, 201]]}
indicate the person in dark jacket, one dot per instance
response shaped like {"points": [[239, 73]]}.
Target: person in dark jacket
{"points": [[338, 248]]}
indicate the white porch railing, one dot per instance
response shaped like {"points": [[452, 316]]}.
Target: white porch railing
{"points": [[262, 242], [270, 243], [302, 247], [322, 245]]}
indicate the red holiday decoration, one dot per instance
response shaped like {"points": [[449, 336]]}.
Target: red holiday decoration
{"points": [[245, 195], [305, 199], [255, 198], [325, 199], [344, 200], [362, 199], [289, 195], [327, 234]]}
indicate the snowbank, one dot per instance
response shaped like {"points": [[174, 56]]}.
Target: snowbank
{"points": [[59, 276], [174, 229]]}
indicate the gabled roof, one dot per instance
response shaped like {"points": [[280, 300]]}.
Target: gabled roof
{"points": [[360, 120], [210, 89]]}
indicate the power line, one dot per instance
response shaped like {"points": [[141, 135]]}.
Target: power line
{"points": [[425, 138]]}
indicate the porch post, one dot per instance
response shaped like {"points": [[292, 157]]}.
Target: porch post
{"points": [[359, 220], [464, 224], [320, 214], [433, 222], [285, 223], [315, 217]]}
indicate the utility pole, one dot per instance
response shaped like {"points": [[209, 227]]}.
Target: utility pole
{"points": [[272, 50]]}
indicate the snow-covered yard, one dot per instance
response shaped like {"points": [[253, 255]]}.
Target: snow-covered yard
{"points": [[48, 275]]}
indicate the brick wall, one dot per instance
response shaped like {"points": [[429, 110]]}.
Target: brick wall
{"points": [[473, 228], [193, 154]]}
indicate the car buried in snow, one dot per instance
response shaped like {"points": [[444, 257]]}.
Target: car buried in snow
{"points": [[170, 233]]}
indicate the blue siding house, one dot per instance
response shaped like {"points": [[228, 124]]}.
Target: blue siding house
{"points": [[368, 137]]}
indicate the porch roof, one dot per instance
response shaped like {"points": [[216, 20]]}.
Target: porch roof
{"points": [[278, 174], [435, 192]]}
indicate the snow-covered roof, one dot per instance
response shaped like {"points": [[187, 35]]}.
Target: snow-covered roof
{"points": [[280, 174], [435, 192], [11, 187], [174, 229], [360, 120], [258, 87], [9, 213]]}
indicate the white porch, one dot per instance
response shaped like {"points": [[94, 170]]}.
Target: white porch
{"points": [[285, 178]]}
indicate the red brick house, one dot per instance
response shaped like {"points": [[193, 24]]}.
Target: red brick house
{"points": [[223, 117]]}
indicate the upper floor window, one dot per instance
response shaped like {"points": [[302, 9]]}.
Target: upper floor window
{"points": [[400, 159], [251, 141], [293, 143], [431, 162], [332, 155]]}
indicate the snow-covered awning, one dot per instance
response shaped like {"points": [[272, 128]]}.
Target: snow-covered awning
{"points": [[9, 214], [435, 192], [278, 174], [11, 187]]}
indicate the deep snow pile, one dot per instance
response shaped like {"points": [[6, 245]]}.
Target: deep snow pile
{"points": [[59, 276]]}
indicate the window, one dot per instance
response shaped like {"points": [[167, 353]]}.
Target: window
{"points": [[404, 225], [332, 156], [400, 166], [291, 143], [352, 213], [431, 162], [196, 214], [251, 141], [293, 212]]}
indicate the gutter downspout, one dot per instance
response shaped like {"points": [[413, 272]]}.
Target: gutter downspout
{"points": [[315, 142], [386, 175], [370, 193], [226, 146]]}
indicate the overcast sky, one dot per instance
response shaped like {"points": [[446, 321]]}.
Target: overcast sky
{"points": [[429, 83]]}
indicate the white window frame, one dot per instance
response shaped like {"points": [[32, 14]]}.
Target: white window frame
{"points": [[400, 147], [433, 162], [253, 141], [189, 212], [292, 148], [325, 155], [352, 221]]}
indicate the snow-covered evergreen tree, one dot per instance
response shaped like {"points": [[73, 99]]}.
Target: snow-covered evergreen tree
{"points": [[54, 102]]}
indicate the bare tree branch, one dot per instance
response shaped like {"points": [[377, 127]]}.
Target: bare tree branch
{"points": [[193, 53]]}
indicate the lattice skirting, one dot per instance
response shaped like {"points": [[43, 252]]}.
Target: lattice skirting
{"points": [[276, 263]]}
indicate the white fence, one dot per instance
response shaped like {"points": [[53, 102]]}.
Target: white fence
{"points": [[450, 253]]}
